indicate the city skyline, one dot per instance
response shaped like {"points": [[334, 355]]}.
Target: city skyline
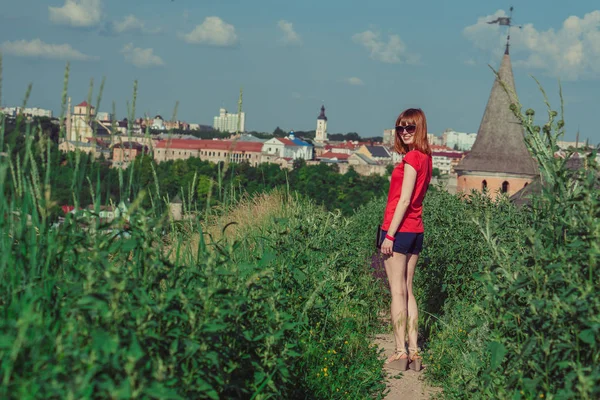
{"points": [[364, 63]]}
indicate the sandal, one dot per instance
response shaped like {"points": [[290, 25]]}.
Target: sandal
{"points": [[396, 361], [415, 360]]}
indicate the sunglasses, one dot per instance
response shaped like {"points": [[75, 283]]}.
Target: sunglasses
{"points": [[407, 129]]}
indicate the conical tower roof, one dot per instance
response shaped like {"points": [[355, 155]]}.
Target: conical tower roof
{"points": [[500, 145]]}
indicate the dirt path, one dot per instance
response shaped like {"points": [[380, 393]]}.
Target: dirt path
{"points": [[410, 385]]}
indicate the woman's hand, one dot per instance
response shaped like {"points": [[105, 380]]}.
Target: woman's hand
{"points": [[386, 246]]}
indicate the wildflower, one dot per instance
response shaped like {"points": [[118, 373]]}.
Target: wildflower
{"points": [[334, 352], [328, 351], [522, 392], [318, 374], [346, 342], [325, 374], [541, 395], [325, 369], [337, 390]]}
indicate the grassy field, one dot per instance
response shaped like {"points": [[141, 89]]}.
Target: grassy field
{"points": [[272, 296]]}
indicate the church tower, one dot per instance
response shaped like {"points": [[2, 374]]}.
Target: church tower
{"points": [[499, 159], [321, 134]]}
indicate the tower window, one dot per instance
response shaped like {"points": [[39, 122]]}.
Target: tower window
{"points": [[505, 187]]}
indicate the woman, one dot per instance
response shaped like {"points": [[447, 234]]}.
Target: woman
{"points": [[403, 231]]}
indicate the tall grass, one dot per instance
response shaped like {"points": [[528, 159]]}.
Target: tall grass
{"points": [[147, 307], [519, 317]]}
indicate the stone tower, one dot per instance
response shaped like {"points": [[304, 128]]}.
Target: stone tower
{"points": [[499, 159], [321, 134]]}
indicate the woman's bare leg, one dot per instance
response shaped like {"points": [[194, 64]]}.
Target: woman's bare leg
{"points": [[413, 311], [395, 267]]}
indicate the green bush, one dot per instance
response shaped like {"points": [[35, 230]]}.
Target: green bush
{"points": [[132, 309], [320, 260], [543, 302], [520, 318]]}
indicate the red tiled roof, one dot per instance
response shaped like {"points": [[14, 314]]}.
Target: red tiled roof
{"points": [[192, 144], [287, 142], [447, 154], [84, 104], [435, 147], [345, 145], [339, 156]]}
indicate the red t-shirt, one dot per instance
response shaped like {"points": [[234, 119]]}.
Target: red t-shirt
{"points": [[412, 221]]}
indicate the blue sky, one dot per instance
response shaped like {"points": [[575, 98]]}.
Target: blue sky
{"points": [[366, 61]]}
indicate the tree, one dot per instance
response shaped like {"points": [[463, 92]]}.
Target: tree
{"points": [[278, 132], [299, 163], [436, 173], [389, 169]]}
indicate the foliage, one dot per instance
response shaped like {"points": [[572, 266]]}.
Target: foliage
{"points": [[136, 308], [520, 318]]}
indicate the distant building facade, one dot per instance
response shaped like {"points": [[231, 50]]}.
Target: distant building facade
{"points": [[378, 153], [458, 140], [389, 136], [28, 112], [209, 150], [123, 153], [226, 122]]}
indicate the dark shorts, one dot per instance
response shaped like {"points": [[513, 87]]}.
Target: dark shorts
{"points": [[406, 242]]}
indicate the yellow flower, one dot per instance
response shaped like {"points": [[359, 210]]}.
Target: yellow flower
{"points": [[346, 342], [325, 369], [541, 395], [337, 390], [334, 352], [328, 351], [522, 392], [325, 374]]}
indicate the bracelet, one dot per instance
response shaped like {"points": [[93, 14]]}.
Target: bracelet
{"points": [[390, 237]]}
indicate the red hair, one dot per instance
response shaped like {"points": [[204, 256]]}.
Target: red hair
{"points": [[413, 116]]}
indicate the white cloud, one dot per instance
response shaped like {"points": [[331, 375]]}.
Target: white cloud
{"points": [[289, 35], [213, 32], [77, 13], [571, 52], [394, 51], [37, 48], [141, 58], [355, 81], [132, 24]]}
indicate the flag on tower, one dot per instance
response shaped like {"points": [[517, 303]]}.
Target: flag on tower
{"points": [[501, 21]]}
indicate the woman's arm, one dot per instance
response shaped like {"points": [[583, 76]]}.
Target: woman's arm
{"points": [[408, 186]]}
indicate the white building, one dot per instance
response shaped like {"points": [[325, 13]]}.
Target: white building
{"points": [[227, 122], [321, 132], [28, 112], [80, 128], [158, 123], [433, 140], [389, 136], [104, 116], [458, 140], [289, 147]]}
